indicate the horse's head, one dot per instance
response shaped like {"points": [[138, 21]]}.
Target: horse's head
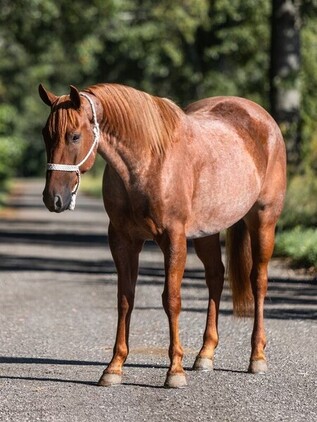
{"points": [[70, 135]]}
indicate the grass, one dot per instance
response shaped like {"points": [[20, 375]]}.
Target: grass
{"points": [[300, 244]]}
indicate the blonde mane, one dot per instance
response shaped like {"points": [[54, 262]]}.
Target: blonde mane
{"points": [[135, 116]]}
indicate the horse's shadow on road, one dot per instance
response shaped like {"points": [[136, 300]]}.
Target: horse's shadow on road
{"points": [[45, 361]]}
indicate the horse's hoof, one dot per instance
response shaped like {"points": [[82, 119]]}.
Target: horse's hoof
{"points": [[258, 366], [175, 381], [108, 380], [203, 364]]}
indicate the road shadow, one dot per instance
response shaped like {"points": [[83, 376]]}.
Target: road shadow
{"points": [[57, 362], [287, 298], [45, 238], [55, 380], [22, 360]]}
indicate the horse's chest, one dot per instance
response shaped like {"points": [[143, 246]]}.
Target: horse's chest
{"points": [[132, 211]]}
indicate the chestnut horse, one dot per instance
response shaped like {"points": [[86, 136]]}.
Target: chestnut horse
{"points": [[172, 175]]}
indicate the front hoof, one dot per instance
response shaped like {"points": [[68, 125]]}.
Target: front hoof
{"points": [[258, 367], [203, 364], [108, 380], [175, 381]]}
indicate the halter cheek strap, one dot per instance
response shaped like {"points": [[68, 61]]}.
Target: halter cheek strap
{"points": [[76, 167]]}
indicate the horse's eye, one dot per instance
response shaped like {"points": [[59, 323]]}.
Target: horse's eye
{"points": [[75, 137]]}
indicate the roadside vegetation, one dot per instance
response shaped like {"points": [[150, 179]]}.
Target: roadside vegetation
{"points": [[297, 229]]}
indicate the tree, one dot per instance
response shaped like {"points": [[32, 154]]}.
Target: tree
{"points": [[44, 41], [285, 94]]}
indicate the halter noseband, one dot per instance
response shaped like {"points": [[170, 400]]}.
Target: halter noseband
{"points": [[76, 167]]}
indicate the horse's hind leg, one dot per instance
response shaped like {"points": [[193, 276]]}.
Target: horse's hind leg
{"points": [[125, 252], [262, 232], [209, 252]]}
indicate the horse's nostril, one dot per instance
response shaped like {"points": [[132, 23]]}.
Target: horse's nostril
{"points": [[58, 203]]}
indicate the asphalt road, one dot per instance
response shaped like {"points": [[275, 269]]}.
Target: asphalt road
{"points": [[57, 327]]}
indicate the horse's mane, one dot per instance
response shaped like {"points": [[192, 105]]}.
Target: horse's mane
{"points": [[135, 116]]}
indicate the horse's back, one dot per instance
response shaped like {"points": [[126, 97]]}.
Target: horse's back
{"points": [[239, 114], [227, 107]]}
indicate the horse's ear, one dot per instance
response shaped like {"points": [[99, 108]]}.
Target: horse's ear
{"points": [[75, 97], [48, 97]]}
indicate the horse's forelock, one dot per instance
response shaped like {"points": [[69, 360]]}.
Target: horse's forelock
{"points": [[63, 115]]}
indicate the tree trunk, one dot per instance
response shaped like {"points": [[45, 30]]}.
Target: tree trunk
{"points": [[284, 73]]}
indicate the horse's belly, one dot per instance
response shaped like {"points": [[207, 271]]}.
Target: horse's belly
{"points": [[220, 202]]}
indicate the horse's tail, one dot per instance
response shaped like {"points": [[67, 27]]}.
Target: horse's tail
{"points": [[239, 263]]}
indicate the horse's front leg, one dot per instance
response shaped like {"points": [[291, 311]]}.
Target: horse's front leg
{"points": [[173, 245], [125, 252]]}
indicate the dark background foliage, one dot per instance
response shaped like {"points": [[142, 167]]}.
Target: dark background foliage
{"points": [[182, 49], [265, 50]]}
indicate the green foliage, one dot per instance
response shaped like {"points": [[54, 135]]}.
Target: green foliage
{"points": [[309, 89], [11, 149], [300, 244], [297, 235], [297, 232], [185, 50], [301, 202], [44, 41]]}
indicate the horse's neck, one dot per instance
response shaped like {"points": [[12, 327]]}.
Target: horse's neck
{"points": [[134, 158], [122, 156], [127, 160]]}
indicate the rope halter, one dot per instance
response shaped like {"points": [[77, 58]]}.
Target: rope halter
{"points": [[76, 167]]}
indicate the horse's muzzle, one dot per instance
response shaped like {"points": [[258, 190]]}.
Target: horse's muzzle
{"points": [[56, 203]]}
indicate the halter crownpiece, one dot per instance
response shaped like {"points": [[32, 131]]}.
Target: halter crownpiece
{"points": [[76, 167]]}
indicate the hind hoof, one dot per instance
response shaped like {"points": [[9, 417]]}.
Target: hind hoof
{"points": [[203, 364], [258, 367], [175, 381], [108, 380]]}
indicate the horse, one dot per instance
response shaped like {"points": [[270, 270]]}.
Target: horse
{"points": [[174, 174]]}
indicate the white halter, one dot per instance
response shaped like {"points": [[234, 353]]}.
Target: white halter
{"points": [[76, 167]]}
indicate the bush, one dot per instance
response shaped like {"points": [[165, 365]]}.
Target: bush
{"points": [[11, 146], [10, 155], [297, 229], [301, 202], [300, 244]]}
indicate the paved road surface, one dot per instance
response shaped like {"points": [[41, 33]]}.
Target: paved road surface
{"points": [[57, 326]]}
